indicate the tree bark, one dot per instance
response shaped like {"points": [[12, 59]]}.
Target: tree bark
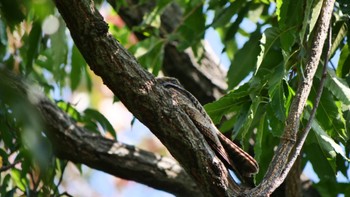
{"points": [[74, 143], [206, 81], [283, 159], [144, 97], [293, 181]]}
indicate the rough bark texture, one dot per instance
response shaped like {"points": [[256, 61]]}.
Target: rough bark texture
{"points": [[79, 145], [146, 99], [206, 81], [153, 105], [277, 170], [293, 181]]}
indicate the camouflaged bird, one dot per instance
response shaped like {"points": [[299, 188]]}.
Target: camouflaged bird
{"points": [[229, 153]]}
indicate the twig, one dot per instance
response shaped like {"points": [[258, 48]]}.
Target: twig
{"points": [[295, 153], [275, 173], [4, 168], [65, 194], [61, 177]]}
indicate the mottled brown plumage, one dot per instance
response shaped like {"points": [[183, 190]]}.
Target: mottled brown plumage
{"points": [[229, 153]]}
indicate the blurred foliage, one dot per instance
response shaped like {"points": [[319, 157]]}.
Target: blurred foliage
{"points": [[266, 41]]}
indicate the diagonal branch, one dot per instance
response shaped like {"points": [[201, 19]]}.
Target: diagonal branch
{"points": [[7, 167], [206, 81], [272, 178], [144, 97], [78, 145], [296, 151]]}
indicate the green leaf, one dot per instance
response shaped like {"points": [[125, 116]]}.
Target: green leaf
{"points": [[151, 22], [69, 109], [7, 135], [224, 15], [278, 100], [234, 27], [338, 87], [264, 146], [227, 125], [87, 77], [324, 168], [329, 114], [59, 53], [288, 8], [244, 61], [343, 67], [311, 13], [245, 132], [244, 119], [256, 11], [277, 126], [42, 9], [328, 187], [231, 102], [4, 184], [269, 39], [33, 45], [3, 39], [150, 53], [20, 181], [328, 146], [152, 19], [340, 30], [78, 62], [191, 32], [95, 115]]}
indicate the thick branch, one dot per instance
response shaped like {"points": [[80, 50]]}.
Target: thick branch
{"points": [[205, 81], [78, 145], [272, 178], [143, 96]]}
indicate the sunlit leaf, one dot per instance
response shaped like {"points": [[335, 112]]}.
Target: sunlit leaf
{"points": [[329, 114], [340, 31], [343, 67], [338, 87], [269, 38], [329, 147], [311, 13], [18, 179]]}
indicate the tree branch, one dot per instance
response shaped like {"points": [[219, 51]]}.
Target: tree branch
{"points": [[205, 81], [144, 97], [78, 145], [277, 170], [4, 168]]}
